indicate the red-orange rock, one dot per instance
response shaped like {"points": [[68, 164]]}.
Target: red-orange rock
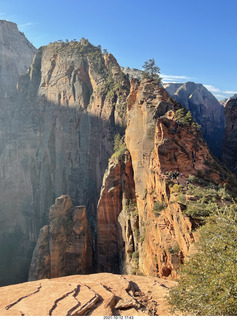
{"points": [[100, 294], [65, 246]]}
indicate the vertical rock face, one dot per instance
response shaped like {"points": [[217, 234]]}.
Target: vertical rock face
{"points": [[205, 109], [118, 186], [64, 246], [58, 140], [151, 240], [230, 136], [16, 54]]}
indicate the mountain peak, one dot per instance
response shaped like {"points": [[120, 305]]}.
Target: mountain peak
{"points": [[16, 54]]}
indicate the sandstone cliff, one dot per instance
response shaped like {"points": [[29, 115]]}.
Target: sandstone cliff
{"points": [[16, 54], [57, 141], [205, 109], [146, 231], [230, 136], [64, 246]]}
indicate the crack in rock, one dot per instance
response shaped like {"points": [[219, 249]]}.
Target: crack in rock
{"points": [[89, 304], [24, 297], [75, 294], [59, 299]]}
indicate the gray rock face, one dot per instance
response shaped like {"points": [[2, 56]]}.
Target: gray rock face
{"points": [[16, 54], [230, 136], [205, 109], [57, 141]]}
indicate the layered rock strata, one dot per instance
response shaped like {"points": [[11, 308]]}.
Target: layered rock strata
{"points": [[150, 240], [64, 247], [230, 136]]}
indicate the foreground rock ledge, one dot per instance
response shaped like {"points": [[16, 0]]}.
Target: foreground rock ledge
{"points": [[94, 295]]}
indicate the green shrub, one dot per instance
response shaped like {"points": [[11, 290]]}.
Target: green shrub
{"points": [[173, 250], [135, 255], [200, 209], [181, 198], [208, 280], [158, 207], [176, 188], [119, 147]]}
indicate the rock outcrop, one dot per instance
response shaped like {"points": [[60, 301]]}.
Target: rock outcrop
{"points": [[205, 109], [230, 136], [146, 231], [92, 295], [64, 246], [57, 141], [118, 186], [16, 54]]}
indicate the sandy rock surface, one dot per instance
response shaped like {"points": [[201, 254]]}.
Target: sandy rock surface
{"points": [[95, 295]]}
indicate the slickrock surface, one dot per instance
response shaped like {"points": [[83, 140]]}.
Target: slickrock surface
{"points": [[95, 295], [230, 136], [205, 109]]}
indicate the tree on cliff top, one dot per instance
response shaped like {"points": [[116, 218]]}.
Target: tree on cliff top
{"points": [[151, 71]]}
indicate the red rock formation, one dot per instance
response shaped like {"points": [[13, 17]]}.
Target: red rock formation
{"points": [[118, 185], [154, 242], [205, 109], [65, 246]]}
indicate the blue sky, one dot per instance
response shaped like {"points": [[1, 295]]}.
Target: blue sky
{"points": [[190, 40]]}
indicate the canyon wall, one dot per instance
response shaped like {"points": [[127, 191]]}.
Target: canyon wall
{"points": [[145, 231], [58, 140], [16, 54], [205, 109], [230, 136]]}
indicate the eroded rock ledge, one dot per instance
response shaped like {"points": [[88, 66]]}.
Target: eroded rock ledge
{"points": [[93, 295]]}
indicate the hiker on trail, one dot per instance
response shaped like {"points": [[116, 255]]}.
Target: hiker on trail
{"points": [[181, 174], [192, 155]]}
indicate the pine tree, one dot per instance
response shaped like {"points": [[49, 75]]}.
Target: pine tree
{"points": [[151, 71]]}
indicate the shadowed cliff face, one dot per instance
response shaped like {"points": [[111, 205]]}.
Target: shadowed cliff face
{"points": [[205, 109], [58, 141], [131, 228], [16, 54], [230, 136]]}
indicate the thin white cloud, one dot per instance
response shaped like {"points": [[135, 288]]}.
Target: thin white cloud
{"points": [[27, 24], [212, 88], [172, 78], [230, 92], [220, 96], [218, 93]]}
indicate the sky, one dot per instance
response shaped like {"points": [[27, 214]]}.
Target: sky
{"points": [[190, 40]]}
